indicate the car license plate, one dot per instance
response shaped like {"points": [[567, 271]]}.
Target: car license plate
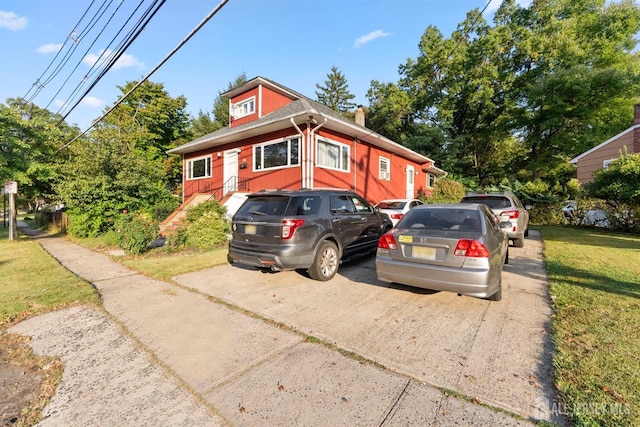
{"points": [[424, 253], [249, 229]]}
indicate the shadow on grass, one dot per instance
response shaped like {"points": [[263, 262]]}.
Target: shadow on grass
{"points": [[590, 237], [575, 276]]}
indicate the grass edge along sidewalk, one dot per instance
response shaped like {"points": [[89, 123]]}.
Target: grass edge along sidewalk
{"points": [[594, 279], [31, 283]]}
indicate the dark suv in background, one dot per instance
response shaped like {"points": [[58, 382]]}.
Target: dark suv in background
{"points": [[504, 205], [305, 229]]}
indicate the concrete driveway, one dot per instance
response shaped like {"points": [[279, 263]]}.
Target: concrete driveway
{"points": [[496, 353], [235, 346]]}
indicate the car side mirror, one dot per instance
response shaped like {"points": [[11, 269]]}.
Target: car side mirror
{"points": [[527, 207]]}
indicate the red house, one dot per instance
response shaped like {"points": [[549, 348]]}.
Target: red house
{"points": [[280, 139]]}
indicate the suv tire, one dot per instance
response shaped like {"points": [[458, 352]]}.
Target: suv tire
{"points": [[325, 265], [518, 243]]}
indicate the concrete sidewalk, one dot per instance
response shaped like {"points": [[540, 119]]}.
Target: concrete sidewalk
{"points": [[164, 354]]}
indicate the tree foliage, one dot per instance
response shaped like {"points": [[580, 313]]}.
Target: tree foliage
{"points": [[516, 98], [335, 92], [122, 164], [31, 141], [619, 182], [206, 122]]}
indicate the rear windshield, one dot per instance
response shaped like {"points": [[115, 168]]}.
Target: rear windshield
{"points": [[494, 202], [265, 206], [391, 205], [442, 219], [281, 206]]}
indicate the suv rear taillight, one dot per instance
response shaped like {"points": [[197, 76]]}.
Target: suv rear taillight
{"points": [[512, 214], [471, 248], [387, 241], [289, 227]]}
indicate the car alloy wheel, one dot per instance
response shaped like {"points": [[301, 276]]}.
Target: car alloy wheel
{"points": [[325, 265]]}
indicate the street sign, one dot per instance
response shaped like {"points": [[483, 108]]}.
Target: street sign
{"points": [[11, 187]]}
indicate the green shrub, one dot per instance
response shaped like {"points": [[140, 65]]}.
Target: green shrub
{"points": [[205, 227], [446, 190], [195, 212], [177, 239], [164, 208], [135, 232], [207, 231]]}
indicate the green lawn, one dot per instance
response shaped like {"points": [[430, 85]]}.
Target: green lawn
{"points": [[595, 287], [163, 266], [32, 282]]}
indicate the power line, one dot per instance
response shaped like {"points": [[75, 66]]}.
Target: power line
{"points": [[131, 36], [38, 82], [95, 40], [206, 19]]}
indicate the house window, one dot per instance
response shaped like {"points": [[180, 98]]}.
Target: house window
{"points": [[199, 168], [431, 179], [607, 163], [243, 108], [384, 168], [276, 154], [333, 155]]}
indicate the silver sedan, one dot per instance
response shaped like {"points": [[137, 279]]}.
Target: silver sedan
{"points": [[450, 247]]}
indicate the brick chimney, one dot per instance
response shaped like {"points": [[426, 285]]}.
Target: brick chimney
{"points": [[360, 115], [636, 131]]}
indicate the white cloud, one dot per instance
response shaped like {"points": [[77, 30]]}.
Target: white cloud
{"points": [[124, 61], [369, 37], [48, 48], [11, 21], [91, 101]]}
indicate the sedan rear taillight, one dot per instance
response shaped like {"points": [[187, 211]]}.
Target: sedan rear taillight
{"points": [[512, 214], [289, 227], [397, 216], [471, 248], [387, 241]]}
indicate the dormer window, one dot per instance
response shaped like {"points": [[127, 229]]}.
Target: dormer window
{"points": [[243, 108]]}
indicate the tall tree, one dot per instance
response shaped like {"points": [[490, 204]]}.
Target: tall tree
{"points": [[519, 97], [335, 92], [31, 139], [207, 122], [221, 105], [578, 75], [123, 163], [459, 86]]}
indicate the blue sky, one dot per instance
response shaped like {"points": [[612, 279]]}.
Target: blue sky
{"points": [[293, 42]]}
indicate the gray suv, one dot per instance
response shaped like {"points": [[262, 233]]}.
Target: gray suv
{"points": [[305, 229], [504, 205]]}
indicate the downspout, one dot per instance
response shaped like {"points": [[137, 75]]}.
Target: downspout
{"points": [[302, 160], [355, 164], [311, 157]]}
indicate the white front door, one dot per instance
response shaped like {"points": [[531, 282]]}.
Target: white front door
{"points": [[230, 171], [410, 180]]}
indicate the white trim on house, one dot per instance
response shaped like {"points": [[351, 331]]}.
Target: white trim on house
{"points": [[597, 147], [208, 166], [384, 168]]}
